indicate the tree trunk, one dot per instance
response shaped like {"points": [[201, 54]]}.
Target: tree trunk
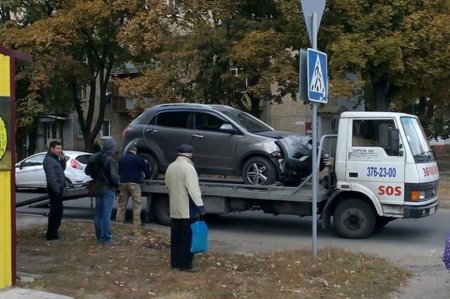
{"points": [[255, 107], [89, 144], [422, 106], [430, 112], [380, 92], [32, 138], [22, 149]]}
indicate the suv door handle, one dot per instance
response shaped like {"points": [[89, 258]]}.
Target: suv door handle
{"points": [[152, 131], [197, 136]]}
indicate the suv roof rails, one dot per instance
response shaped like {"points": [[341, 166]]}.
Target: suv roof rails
{"points": [[194, 105]]}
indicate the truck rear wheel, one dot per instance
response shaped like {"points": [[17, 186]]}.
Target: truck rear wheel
{"points": [[354, 219], [161, 211]]}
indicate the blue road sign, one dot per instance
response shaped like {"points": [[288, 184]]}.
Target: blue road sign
{"points": [[317, 76]]}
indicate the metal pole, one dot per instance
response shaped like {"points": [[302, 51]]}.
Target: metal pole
{"points": [[314, 151]]}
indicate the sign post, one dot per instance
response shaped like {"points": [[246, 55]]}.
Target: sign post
{"points": [[7, 162], [317, 93]]}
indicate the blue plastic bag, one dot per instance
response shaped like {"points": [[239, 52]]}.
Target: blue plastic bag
{"points": [[446, 257], [199, 242]]}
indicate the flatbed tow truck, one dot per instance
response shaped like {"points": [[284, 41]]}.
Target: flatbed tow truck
{"points": [[380, 168]]}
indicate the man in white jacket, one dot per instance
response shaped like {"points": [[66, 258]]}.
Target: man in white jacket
{"points": [[186, 205]]}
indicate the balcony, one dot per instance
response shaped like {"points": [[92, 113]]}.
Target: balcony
{"points": [[121, 104]]}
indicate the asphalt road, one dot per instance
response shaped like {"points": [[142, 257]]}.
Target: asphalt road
{"points": [[416, 244]]}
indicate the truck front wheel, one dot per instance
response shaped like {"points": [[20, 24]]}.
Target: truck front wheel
{"points": [[354, 219]]}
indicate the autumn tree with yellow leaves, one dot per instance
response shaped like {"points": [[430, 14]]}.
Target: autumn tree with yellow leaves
{"points": [[219, 51]]}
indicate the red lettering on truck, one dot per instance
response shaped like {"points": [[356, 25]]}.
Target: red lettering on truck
{"points": [[390, 190], [430, 170]]}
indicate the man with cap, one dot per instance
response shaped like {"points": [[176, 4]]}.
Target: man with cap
{"points": [[103, 168], [186, 205], [131, 168]]}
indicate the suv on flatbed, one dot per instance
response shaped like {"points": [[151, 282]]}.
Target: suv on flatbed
{"points": [[226, 141]]}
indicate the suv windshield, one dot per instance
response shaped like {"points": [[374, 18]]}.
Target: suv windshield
{"points": [[248, 122], [416, 139]]}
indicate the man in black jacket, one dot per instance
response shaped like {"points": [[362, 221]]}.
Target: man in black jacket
{"points": [[131, 168], [54, 166]]}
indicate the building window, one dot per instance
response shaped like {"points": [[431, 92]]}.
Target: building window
{"points": [[334, 125], [106, 128], [82, 92], [52, 130], [80, 133]]}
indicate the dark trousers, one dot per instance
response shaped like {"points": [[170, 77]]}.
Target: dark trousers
{"points": [[180, 244], [55, 214]]}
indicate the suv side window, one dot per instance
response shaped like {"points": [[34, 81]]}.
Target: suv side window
{"points": [[207, 122], [176, 119]]}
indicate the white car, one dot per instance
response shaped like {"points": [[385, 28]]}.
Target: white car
{"points": [[30, 171]]}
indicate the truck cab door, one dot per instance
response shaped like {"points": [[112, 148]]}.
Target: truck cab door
{"points": [[376, 159]]}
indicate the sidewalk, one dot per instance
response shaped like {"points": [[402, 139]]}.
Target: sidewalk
{"points": [[18, 293], [23, 221]]}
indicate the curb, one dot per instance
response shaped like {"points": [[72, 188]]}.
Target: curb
{"points": [[19, 293], [444, 203]]}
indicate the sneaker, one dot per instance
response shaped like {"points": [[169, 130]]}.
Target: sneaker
{"points": [[111, 243], [59, 238]]}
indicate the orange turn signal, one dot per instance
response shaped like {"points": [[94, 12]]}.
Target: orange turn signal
{"points": [[417, 195]]}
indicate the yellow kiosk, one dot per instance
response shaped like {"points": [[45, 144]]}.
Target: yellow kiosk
{"points": [[7, 161]]}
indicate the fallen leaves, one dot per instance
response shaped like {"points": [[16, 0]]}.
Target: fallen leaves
{"points": [[139, 268]]}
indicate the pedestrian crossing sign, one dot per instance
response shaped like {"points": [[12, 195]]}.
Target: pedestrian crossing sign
{"points": [[317, 83]]}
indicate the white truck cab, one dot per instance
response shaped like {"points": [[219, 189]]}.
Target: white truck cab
{"points": [[384, 169]]}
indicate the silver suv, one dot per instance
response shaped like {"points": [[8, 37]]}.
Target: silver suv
{"points": [[226, 141]]}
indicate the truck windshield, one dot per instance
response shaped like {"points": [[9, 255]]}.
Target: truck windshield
{"points": [[246, 121], [416, 139]]}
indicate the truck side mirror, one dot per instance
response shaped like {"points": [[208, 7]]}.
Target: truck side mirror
{"points": [[394, 141]]}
